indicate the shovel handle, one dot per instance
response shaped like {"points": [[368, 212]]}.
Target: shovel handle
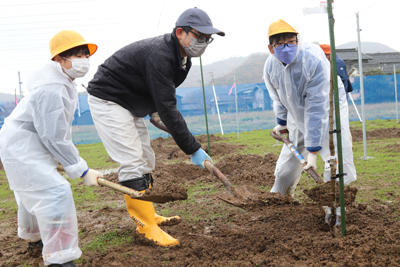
{"points": [[217, 173], [156, 121], [311, 172], [120, 188]]}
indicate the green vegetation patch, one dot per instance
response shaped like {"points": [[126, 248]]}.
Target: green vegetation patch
{"points": [[107, 240]]}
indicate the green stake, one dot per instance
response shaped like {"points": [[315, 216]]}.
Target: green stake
{"points": [[205, 106], [337, 116]]}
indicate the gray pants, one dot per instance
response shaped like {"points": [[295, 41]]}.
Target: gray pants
{"points": [[124, 136]]}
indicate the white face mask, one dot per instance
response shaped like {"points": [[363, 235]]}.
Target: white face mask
{"points": [[80, 66], [195, 49]]}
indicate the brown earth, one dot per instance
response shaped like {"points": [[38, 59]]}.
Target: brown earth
{"points": [[282, 232], [323, 194], [381, 133]]}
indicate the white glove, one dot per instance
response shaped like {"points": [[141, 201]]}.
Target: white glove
{"points": [[311, 161], [278, 128], [91, 176]]}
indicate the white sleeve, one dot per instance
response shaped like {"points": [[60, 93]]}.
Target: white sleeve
{"points": [[50, 119], [280, 110]]}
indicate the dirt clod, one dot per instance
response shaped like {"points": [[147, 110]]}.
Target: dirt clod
{"points": [[323, 194], [160, 192]]}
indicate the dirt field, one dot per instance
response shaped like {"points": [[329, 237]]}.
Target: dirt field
{"points": [[283, 232]]}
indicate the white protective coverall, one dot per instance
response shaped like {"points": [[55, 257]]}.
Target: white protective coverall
{"points": [[300, 95], [33, 139]]}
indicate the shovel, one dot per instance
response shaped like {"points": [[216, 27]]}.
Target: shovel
{"points": [[217, 173], [310, 171], [240, 195]]}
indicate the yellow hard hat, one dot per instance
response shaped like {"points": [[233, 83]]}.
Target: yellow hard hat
{"points": [[280, 26], [65, 40]]}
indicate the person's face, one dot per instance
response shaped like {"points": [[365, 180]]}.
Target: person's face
{"points": [[282, 41], [184, 37], [66, 62]]}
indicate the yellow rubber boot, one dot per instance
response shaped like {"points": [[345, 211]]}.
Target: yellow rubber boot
{"points": [[161, 220], [143, 213]]}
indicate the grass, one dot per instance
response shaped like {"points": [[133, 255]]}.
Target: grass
{"points": [[108, 240]]}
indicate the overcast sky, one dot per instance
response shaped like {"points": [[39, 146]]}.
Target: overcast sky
{"points": [[26, 26]]}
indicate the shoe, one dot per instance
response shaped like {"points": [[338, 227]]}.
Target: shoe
{"points": [[35, 249], [144, 215], [67, 264]]}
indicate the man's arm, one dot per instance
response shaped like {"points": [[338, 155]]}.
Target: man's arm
{"points": [[162, 88]]}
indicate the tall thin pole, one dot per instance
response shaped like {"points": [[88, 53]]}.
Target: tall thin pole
{"points": [[205, 106], [15, 96], [395, 92], [337, 118], [19, 83], [216, 104], [360, 66], [236, 105]]}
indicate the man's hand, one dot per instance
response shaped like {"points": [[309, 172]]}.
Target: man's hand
{"points": [[311, 161], [199, 157], [278, 128], [90, 178]]}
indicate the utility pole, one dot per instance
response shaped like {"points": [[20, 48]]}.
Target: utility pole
{"points": [[365, 157], [205, 106]]}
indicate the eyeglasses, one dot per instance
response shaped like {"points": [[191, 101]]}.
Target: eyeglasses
{"points": [[202, 38], [290, 43]]}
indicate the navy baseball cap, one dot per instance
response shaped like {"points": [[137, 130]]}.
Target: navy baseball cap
{"points": [[198, 20]]}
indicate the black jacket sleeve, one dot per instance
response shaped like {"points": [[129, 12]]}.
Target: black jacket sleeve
{"points": [[160, 81]]}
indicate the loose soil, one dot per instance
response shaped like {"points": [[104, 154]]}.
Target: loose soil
{"points": [[323, 194], [280, 232], [381, 133]]}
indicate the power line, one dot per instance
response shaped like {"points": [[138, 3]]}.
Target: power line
{"points": [[62, 26], [45, 3], [39, 15]]}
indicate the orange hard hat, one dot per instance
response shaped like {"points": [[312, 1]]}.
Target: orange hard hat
{"points": [[326, 48], [65, 40], [280, 26]]}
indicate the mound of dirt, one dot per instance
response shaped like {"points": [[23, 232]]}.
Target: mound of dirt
{"points": [[167, 150], [252, 198], [381, 133], [160, 192], [323, 195], [249, 169]]}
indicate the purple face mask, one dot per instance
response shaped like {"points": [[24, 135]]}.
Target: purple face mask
{"points": [[286, 53]]}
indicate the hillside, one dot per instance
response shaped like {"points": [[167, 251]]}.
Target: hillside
{"points": [[247, 69], [369, 47]]}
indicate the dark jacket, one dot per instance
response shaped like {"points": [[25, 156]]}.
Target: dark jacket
{"points": [[142, 77], [342, 72]]}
